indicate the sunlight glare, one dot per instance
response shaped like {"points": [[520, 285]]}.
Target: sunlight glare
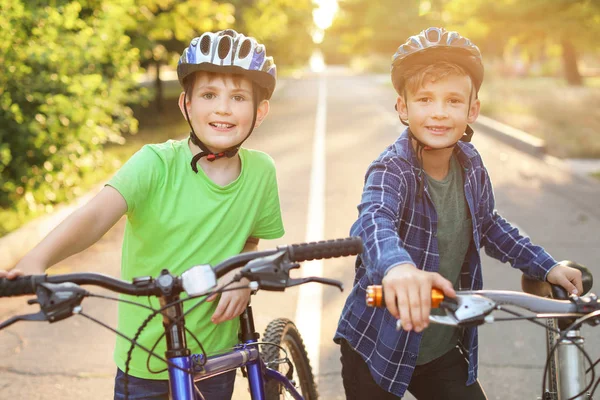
{"points": [[323, 16], [317, 63]]}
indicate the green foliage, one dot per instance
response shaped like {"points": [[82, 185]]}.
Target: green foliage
{"points": [[68, 73], [533, 21], [161, 29], [284, 26], [536, 27], [363, 28], [498, 27], [548, 108]]}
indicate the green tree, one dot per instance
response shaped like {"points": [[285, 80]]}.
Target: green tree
{"points": [[161, 29], [572, 24], [362, 28], [68, 75], [284, 26]]}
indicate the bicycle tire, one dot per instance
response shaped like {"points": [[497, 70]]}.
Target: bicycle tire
{"points": [[284, 333]]}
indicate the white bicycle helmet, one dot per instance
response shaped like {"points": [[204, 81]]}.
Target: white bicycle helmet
{"points": [[229, 52]]}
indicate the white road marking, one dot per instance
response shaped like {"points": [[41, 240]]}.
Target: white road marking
{"points": [[310, 296]]}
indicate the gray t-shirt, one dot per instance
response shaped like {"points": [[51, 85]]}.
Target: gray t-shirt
{"points": [[454, 233]]}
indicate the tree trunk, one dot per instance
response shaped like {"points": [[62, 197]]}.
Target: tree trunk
{"points": [[158, 85], [571, 69]]}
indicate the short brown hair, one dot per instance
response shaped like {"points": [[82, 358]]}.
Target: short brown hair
{"points": [[415, 76], [190, 80]]}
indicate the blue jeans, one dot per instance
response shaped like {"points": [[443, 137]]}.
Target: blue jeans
{"points": [[219, 387]]}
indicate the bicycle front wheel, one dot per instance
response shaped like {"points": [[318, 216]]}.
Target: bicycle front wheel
{"points": [[284, 333]]}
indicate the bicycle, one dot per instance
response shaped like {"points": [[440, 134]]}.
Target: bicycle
{"points": [[565, 373], [60, 296]]}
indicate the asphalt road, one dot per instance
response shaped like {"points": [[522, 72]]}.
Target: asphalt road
{"points": [[73, 359]]}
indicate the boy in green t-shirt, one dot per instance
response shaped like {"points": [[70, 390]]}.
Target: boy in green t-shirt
{"points": [[187, 202]]}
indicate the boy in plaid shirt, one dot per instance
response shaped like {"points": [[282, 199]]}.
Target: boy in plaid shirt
{"points": [[427, 209]]}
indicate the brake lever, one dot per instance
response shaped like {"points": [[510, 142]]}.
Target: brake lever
{"points": [[57, 301], [273, 273], [465, 310], [39, 316], [324, 281]]}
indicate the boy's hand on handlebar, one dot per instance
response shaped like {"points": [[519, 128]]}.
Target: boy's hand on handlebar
{"points": [[567, 277], [232, 302], [11, 274], [408, 294]]}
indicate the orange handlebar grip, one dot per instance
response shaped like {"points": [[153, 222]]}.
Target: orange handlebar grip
{"points": [[374, 297], [437, 296]]}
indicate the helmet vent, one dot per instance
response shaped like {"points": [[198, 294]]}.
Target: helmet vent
{"points": [[229, 52], [433, 35], [229, 32], [224, 47], [245, 48], [205, 45], [461, 42]]}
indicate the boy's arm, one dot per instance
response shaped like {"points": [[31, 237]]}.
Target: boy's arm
{"points": [[77, 232], [407, 288], [251, 245], [377, 223], [504, 242], [232, 303]]}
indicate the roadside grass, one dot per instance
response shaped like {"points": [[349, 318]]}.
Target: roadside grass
{"points": [[155, 127], [566, 117]]}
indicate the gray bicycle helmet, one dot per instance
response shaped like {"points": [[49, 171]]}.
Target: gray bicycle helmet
{"points": [[229, 52], [436, 44]]}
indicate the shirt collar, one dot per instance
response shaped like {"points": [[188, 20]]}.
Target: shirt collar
{"points": [[464, 151]]}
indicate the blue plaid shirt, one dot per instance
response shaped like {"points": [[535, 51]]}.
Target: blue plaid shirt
{"points": [[397, 226]]}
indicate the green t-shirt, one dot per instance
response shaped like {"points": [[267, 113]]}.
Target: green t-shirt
{"points": [[454, 232], [177, 219]]}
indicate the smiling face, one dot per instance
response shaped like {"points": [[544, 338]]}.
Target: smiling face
{"points": [[438, 106], [221, 109]]}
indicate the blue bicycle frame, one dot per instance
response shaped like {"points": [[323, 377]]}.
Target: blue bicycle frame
{"points": [[245, 355], [60, 296]]}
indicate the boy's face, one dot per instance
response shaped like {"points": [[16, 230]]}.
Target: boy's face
{"points": [[221, 111], [439, 111]]}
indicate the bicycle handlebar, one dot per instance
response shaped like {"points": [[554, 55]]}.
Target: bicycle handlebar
{"points": [[484, 301], [536, 304], [472, 307], [26, 285]]}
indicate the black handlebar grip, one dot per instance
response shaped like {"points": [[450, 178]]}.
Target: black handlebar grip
{"points": [[20, 286], [325, 249]]}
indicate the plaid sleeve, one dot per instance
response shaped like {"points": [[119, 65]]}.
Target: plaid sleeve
{"points": [[504, 242], [377, 224]]}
